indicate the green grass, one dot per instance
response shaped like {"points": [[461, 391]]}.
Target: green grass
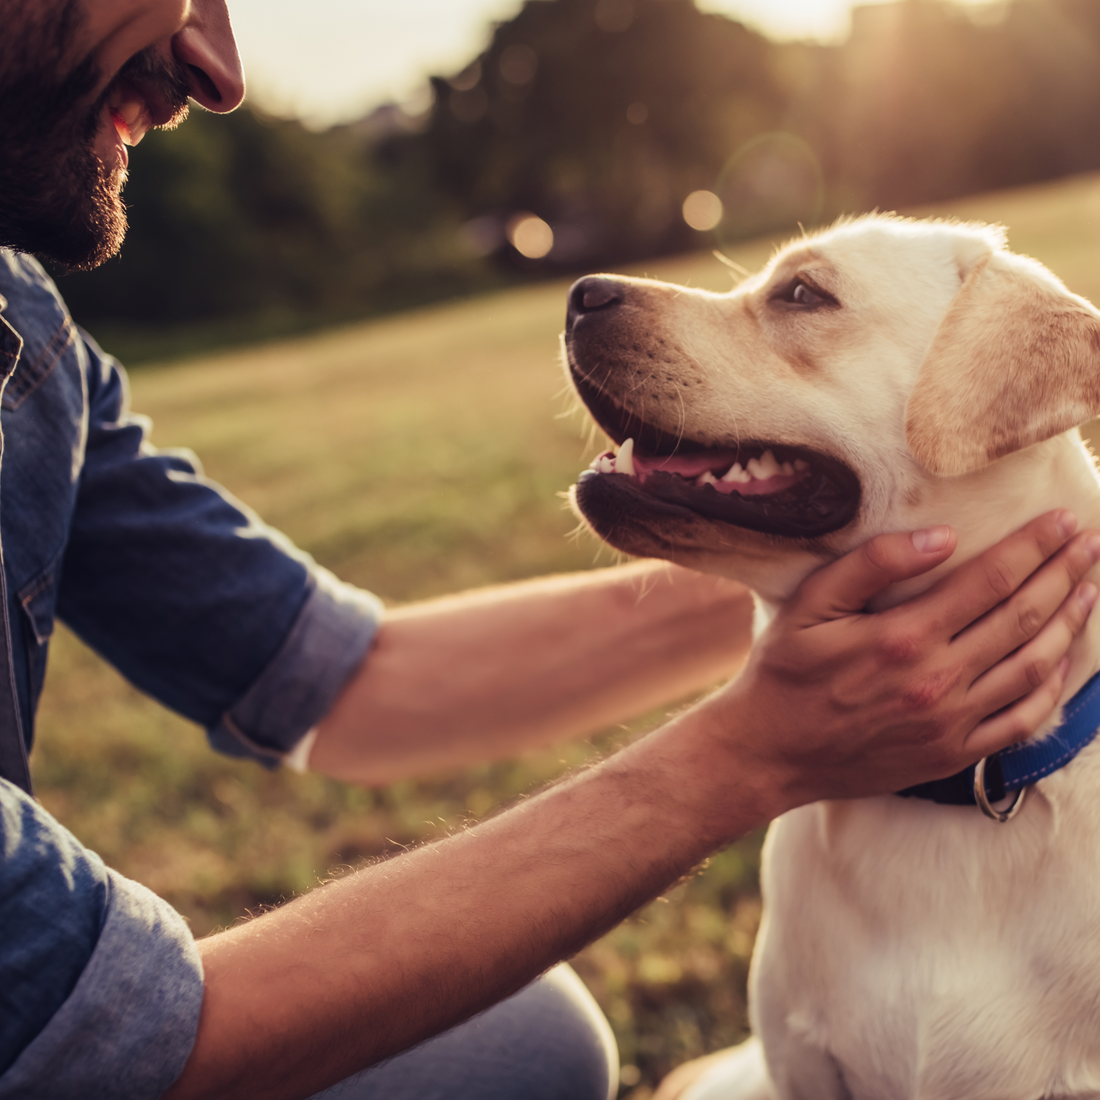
{"points": [[417, 455]]}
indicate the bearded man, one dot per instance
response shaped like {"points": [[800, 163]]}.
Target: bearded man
{"points": [[102, 990]]}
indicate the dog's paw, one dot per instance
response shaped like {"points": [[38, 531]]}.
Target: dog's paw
{"points": [[737, 1073]]}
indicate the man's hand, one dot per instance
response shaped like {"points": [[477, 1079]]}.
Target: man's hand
{"points": [[838, 703], [833, 703]]}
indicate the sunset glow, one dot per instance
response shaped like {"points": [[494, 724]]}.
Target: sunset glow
{"points": [[351, 55]]}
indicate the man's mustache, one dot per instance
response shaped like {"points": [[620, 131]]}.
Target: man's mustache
{"points": [[166, 84]]}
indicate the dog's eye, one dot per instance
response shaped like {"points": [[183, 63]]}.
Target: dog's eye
{"points": [[798, 292]]}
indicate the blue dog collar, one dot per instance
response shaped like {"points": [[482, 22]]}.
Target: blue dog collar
{"points": [[1018, 767]]}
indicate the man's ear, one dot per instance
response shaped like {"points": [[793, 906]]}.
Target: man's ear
{"points": [[1016, 360]]}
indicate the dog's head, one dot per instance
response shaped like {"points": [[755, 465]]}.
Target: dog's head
{"points": [[881, 375]]}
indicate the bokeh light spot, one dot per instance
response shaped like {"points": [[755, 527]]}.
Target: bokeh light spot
{"points": [[468, 79], [702, 210], [530, 236], [518, 64], [469, 107], [772, 183], [637, 114], [482, 236]]}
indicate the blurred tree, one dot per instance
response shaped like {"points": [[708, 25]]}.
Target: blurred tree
{"points": [[621, 109], [245, 216], [928, 100], [598, 117], [625, 107]]}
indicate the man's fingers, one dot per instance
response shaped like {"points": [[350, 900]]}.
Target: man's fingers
{"points": [[1019, 721], [1031, 665], [981, 584], [1013, 623], [847, 585]]}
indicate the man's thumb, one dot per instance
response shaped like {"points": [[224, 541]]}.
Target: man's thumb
{"points": [[847, 585]]}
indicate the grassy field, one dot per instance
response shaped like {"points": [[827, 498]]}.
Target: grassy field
{"points": [[418, 455]]}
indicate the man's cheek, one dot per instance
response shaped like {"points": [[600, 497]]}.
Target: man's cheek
{"points": [[115, 30]]}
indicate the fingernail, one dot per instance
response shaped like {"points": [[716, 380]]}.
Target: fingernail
{"points": [[1086, 595], [1092, 547], [1066, 523], [932, 539], [1063, 667]]}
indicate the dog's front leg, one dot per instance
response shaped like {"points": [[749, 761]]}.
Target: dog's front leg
{"points": [[808, 1073], [800, 1068], [738, 1073]]}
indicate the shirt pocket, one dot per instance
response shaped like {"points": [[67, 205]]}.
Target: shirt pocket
{"points": [[36, 364], [38, 598]]}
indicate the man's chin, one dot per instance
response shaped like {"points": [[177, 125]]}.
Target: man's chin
{"points": [[96, 230], [78, 226]]}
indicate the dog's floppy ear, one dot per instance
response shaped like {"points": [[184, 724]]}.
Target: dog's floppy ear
{"points": [[1016, 360]]}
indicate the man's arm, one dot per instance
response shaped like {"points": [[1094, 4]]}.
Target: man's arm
{"points": [[369, 965], [488, 674], [96, 970]]}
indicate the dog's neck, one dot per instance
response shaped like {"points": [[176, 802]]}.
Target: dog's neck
{"points": [[987, 506]]}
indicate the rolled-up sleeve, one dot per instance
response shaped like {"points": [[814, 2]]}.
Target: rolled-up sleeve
{"points": [[326, 643], [193, 598], [101, 980]]}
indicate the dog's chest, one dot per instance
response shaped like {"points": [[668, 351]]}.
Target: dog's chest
{"points": [[933, 953]]}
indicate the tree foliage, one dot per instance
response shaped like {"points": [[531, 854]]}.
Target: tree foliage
{"points": [[249, 216], [599, 117]]}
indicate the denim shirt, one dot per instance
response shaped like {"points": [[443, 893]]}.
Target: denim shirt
{"points": [[182, 588], [192, 598]]}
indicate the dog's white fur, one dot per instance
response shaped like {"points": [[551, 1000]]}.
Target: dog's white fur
{"points": [[908, 949]]}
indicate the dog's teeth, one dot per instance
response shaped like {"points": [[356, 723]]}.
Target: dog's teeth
{"points": [[801, 465], [764, 467], [624, 460], [737, 473], [603, 465], [706, 478], [787, 470]]}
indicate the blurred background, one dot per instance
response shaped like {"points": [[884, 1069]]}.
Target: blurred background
{"points": [[347, 298], [569, 135]]}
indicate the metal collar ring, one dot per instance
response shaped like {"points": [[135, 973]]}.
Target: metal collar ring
{"points": [[982, 798]]}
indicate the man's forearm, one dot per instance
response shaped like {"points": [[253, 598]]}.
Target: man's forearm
{"points": [[488, 674], [826, 707], [369, 965]]}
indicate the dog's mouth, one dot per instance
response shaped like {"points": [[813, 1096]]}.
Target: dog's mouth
{"points": [[772, 488]]}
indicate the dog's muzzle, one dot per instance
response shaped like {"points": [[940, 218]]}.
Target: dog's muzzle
{"points": [[773, 488]]}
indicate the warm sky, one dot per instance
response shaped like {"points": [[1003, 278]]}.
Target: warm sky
{"points": [[346, 56]]}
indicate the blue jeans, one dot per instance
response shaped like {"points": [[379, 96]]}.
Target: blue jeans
{"points": [[548, 1042]]}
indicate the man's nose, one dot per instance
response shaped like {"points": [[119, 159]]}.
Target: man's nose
{"points": [[207, 47]]}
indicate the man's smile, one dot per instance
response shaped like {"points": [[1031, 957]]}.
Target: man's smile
{"points": [[133, 106], [131, 118]]}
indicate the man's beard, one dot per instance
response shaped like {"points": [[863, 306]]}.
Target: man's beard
{"points": [[57, 199]]}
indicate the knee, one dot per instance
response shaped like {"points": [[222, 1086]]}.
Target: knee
{"points": [[550, 1041], [568, 1036]]}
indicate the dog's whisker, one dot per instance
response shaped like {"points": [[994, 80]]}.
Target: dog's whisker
{"points": [[683, 413]]}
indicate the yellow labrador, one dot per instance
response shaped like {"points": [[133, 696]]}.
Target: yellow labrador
{"points": [[885, 375]]}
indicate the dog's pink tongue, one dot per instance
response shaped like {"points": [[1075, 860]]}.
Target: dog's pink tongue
{"points": [[689, 466]]}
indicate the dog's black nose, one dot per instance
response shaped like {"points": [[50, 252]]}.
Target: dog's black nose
{"points": [[592, 293]]}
